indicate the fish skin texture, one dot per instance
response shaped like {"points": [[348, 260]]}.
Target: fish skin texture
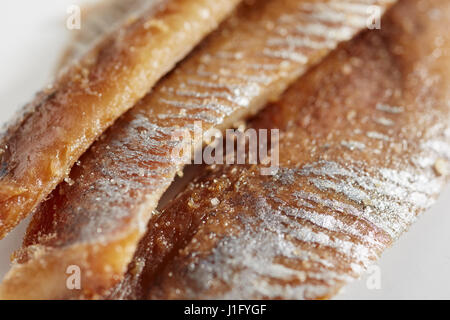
{"points": [[110, 196], [364, 149], [40, 147]]}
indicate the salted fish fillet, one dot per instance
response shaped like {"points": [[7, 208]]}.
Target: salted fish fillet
{"points": [[364, 148], [96, 219], [39, 148]]}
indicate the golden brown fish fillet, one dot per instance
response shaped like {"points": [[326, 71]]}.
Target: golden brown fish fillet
{"points": [[364, 148], [39, 149], [96, 219]]}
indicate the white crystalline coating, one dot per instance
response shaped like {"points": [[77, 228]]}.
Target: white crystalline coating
{"points": [[267, 236], [362, 187], [275, 226], [410, 181], [286, 55], [330, 15], [321, 30], [377, 136], [438, 146], [313, 20], [198, 116], [135, 163], [250, 260], [384, 121], [353, 145], [390, 109], [326, 221], [262, 67], [234, 98], [207, 92], [219, 108], [300, 42]]}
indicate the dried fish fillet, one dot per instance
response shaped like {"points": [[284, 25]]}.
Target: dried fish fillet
{"points": [[362, 139], [97, 221], [39, 149]]}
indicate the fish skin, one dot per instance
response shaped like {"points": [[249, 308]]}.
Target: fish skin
{"points": [[110, 196], [39, 148], [347, 187]]}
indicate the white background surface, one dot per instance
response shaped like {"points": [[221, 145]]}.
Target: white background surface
{"points": [[32, 36]]}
